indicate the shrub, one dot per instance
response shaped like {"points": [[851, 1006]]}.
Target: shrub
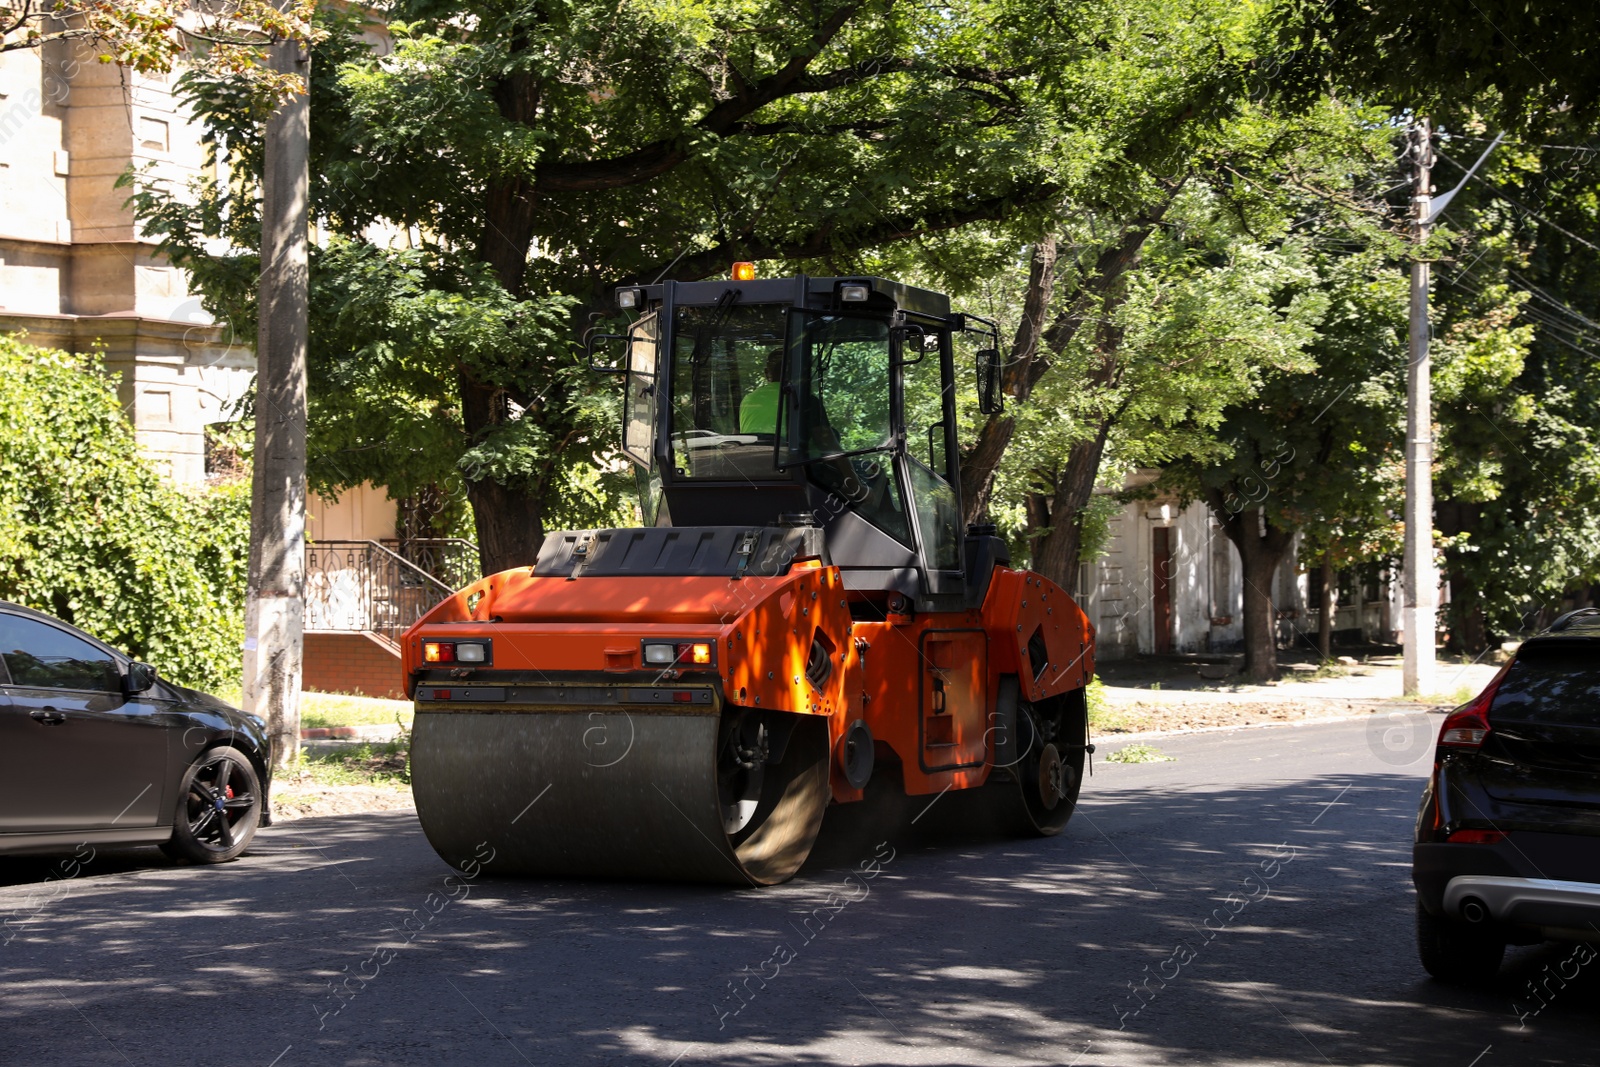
{"points": [[90, 533]]}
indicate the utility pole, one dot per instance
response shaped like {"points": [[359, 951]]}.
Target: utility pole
{"points": [[275, 597], [1419, 613]]}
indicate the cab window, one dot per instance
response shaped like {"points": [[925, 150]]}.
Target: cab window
{"points": [[838, 388], [639, 400], [727, 365]]}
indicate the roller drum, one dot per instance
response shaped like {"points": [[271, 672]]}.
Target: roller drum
{"points": [[609, 794]]}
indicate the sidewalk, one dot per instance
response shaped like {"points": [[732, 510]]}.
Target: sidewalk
{"points": [[1169, 695]]}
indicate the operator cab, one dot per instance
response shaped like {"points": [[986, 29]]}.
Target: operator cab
{"points": [[809, 402]]}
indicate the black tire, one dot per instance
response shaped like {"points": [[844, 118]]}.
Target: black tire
{"points": [[219, 808], [1038, 794], [1455, 952]]}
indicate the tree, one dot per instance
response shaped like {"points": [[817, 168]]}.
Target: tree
{"points": [[1317, 450], [538, 154], [1530, 65], [1518, 480], [1188, 299], [1515, 478], [90, 533]]}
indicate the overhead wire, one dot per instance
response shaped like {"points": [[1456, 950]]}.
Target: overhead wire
{"points": [[1508, 198], [1521, 144], [1559, 305], [1557, 330]]}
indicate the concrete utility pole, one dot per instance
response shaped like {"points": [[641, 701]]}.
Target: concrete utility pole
{"points": [[275, 599], [1420, 612]]}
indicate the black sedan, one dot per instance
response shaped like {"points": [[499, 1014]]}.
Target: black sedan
{"points": [[1508, 838], [97, 750]]}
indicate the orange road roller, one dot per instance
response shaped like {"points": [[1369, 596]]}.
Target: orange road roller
{"points": [[803, 608]]}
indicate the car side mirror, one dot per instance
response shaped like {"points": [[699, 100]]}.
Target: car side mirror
{"points": [[990, 399], [140, 677], [601, 346]]}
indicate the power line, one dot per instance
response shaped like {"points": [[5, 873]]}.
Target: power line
{"points": [[1556, 330], [1559, 305], [1503, 195], [1523, 144]]}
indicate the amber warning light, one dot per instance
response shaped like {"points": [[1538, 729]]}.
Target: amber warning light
{"points": [[744, 272], [665, 654], [455, 652]]}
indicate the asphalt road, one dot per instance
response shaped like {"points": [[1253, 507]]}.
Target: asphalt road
{"points": [[339, 941]]}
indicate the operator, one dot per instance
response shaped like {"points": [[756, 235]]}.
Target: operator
{"points": [[758, 411]]}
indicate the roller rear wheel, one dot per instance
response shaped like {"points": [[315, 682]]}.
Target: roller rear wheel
{"points": [[1052, 743]]}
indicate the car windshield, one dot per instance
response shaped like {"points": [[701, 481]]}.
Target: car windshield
{"points": [[1550, 685]]}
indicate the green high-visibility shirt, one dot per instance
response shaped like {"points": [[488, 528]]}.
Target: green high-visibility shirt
{"points": [[758, 412]]}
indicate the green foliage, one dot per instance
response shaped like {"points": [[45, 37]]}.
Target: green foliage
{"points": [[1530, 63], [90, 533], [1517, 389], [571, 147]]}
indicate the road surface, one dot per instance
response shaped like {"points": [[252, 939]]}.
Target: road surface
{"points": [[346, 941]]}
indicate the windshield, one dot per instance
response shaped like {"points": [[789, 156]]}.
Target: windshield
{"points": [[726, 366], [839, 379]]}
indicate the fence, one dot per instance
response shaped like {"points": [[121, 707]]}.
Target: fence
{"points": [[362, 585]]}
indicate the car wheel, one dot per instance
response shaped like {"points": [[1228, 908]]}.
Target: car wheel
{"points": [[1455, 952], [219, 808]]}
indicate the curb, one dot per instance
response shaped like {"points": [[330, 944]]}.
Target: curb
{"points": [[1181, 731], [385, 732]]}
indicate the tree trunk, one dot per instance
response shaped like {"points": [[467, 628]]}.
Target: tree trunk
{"points": [[1028, 364], [979, 465], [1057, 554], [509, 519], [1468, 632], [1261, 549], [1326, 605], [1467, 625]]}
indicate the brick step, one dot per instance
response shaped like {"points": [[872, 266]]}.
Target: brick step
{"points": [[352, 662]]}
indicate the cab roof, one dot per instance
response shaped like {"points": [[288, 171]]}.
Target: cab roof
{"points": [[803, 291]]}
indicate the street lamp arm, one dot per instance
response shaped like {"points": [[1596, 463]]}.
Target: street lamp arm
{"points": [[1443, 201]]}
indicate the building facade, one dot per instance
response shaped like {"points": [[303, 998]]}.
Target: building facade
{"points": [[1170, 582], [76, 272]]}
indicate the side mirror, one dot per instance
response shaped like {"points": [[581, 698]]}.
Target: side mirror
{"points": [[140, 677], [990, 399], [603, 344]]}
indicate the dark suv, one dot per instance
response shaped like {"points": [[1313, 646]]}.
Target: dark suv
{"points": [[1508, 838]]}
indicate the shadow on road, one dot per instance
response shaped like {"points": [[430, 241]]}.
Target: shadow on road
{"points": [[341, 940]]}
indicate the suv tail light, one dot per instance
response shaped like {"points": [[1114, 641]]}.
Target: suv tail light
{"points": [[1468, 725], [1477, 837]]}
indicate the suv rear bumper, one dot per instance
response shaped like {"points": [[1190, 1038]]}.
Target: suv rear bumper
{"points": [[1555, 907], [1522, 854]]}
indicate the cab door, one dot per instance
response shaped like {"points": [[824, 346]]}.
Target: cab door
{"points": [[640, 407], [75, 753], [928, 415]]}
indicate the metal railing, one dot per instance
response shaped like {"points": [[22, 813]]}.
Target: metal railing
{"points": [[363, 586], [452, 560]]}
